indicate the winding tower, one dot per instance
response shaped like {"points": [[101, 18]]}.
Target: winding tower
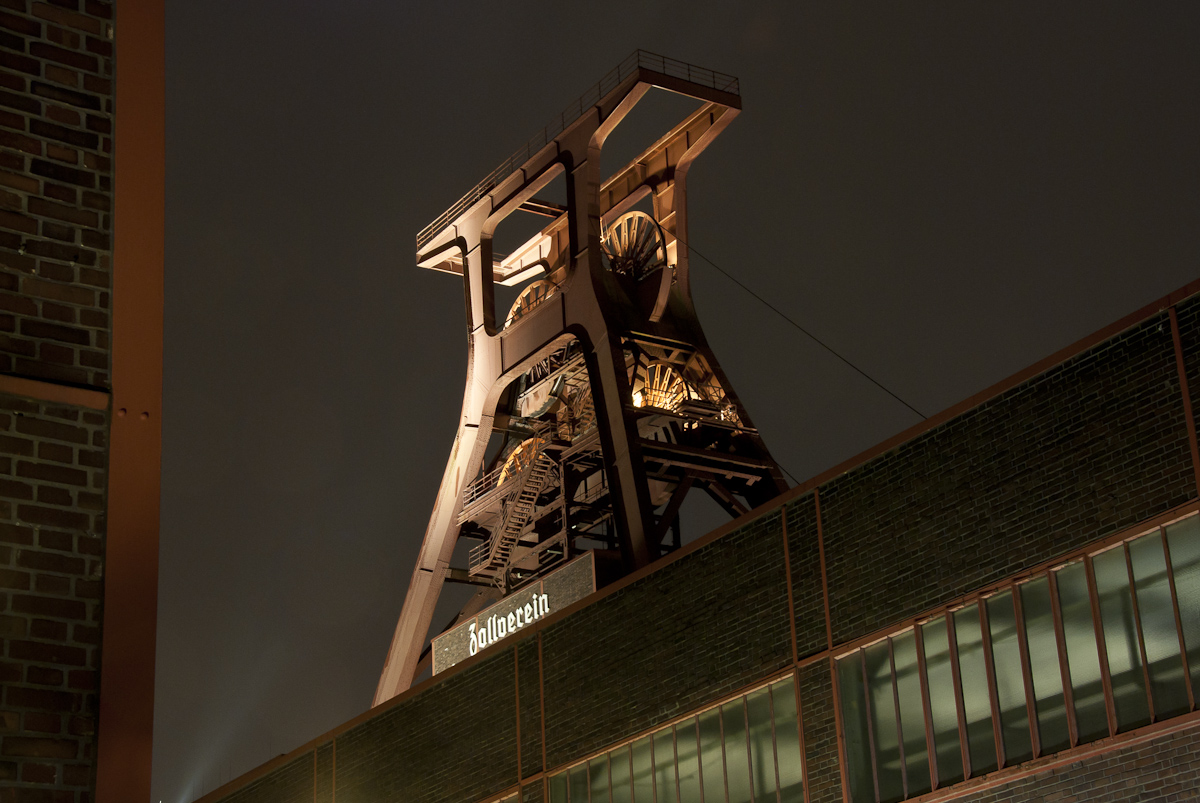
{"points": [[595, 405]]}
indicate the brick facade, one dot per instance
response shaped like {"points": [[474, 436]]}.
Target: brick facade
{"points": [[56, 190], [56, 105], [51, 547], [1090, 447]]}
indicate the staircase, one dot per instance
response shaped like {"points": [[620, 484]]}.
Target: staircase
{"points": [[489, 559]]}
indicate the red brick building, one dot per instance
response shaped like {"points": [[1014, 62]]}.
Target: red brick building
{"points": [[80, 268]]}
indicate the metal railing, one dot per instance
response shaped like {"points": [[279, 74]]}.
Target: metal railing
{"points": [[637, 60]]}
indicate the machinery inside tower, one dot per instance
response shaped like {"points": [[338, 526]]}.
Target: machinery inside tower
{"points": [[543, 496]]}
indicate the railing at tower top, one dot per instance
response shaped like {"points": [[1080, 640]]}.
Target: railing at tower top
{"points": [[636, 61]]}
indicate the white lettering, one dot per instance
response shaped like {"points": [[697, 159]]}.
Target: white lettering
{"points": [[528, 613], [474, 639], [502, 627], [545, 605], [519, 622], [512, 623]]}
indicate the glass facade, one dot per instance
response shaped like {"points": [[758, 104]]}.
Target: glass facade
{"points": [[746, 750], [1099, 645]]}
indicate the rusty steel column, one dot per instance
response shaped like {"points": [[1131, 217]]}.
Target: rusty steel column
{"points": [[126, 722]]}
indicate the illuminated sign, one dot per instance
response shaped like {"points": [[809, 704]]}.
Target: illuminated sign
{"points": [[496, 628], [518, 610]]}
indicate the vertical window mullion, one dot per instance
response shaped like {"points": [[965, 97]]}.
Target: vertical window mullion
{"points": [[1064, 670], [990, 668], [862, 662], [1141, 639], [675, 752], [775, 742], [749, 752], [1026, 673], [608, 771], [952, 643], [1187, 672], [899, 727], [724, 761], [654, 773], [931, 746], [1110, 708]]}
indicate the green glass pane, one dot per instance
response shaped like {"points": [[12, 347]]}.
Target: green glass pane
{"points": [[943, 706], [598, 779], [643, 771], [712, 762], [912, 713], [855, 722], [1010, 679], [688, 761], [1183, 538], [977, 702], [737, 759], [1044, 669], [1168, 685], [884, 722], [762, 745], [1083, 662], [1121, 645], [579, 784], [664, 766], [558, 788], [788, 759], [618, 769]]}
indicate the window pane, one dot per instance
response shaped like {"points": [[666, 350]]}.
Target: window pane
{"points": [[977, 706], [854, 721], [1158, 626], [689, 770], [1082, 661], [787, 742], [762, 746], [558, 788], [579, 784], [598, 779], [711, 763], [618, 769], [664, 766], [643, 772], [883, 721], [1183, 538], [1010, 680], [1121, 639], [912, 713], [737, 762], [942, 705], [1048, 698]]}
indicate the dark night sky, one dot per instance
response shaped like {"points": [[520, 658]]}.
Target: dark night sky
{"points": [[943, 192]]}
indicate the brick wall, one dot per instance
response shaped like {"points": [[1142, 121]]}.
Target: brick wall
{"points": [[56, 109], [804, 552], [1164, 769], [291, 783], [55, 189], [530, 690], [455, 741], [1084, 450], [821, 769], [51, 530], [1093, 446], [669, 643]]}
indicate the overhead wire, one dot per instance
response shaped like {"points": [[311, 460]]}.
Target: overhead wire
{"points": [[691, 248]]}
